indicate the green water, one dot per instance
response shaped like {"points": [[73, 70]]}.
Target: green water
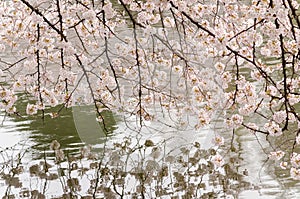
{"points": [[73, 128]]}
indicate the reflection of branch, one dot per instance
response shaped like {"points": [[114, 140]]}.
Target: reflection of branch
{"points": [[232, 140], [12, 172]]}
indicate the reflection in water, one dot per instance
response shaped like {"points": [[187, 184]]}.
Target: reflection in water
{"points": [[89, 130], [269, 179], [250, 153], [77, 126], [72, 128]]}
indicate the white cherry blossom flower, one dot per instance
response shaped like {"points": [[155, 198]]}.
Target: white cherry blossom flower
{"points": [[219, 67], [218, 160], [226, 77], [295, 173], [169, 22], [279, 116], [273, 128], [218, 140], [283, 165], [298, 139], [295, 160], [31, 109], [276, 155], [235, 121]]}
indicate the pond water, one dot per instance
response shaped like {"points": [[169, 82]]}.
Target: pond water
{"points": [[78, 127]]}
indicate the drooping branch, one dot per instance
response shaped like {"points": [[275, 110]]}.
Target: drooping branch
{"points": [[134, 23], [247, 29], [107, 56], [36, 10], [92, 93], [193, 21], [39, 71], [285, 86]]}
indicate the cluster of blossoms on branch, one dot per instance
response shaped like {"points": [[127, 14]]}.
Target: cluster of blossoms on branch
{"points": [[150, 57]]}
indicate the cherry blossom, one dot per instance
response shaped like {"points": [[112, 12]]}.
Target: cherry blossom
{"points": [[295, 160], [295, 173], [283, 165], [31, 109], [279, 116], [218, 160], [218, 140], [192, 60], [277, 155], [298, 139], [273, 128], [235, 120]]}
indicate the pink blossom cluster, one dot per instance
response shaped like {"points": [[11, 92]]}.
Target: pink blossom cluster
{"points": [[235, 60]]}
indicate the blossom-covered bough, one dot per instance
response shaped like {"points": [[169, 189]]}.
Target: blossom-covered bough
{"points": [[160, 60]]}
